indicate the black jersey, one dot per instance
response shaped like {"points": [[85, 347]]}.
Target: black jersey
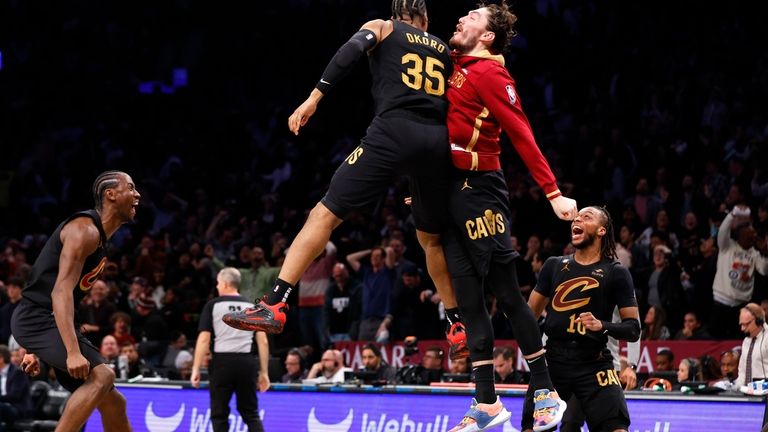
{"points": [[573, 288], [46, 268], [409, 70]]}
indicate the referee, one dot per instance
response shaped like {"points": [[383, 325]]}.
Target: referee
{"points": [[233, 367]]}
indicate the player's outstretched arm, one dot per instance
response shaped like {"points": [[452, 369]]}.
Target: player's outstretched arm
{"points": [[366, 39]]}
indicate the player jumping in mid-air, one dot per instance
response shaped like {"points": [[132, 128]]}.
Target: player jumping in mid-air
{"points": [[409, 69]]}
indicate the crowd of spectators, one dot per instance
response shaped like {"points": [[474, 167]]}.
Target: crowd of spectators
{"points": [[654, 113]]}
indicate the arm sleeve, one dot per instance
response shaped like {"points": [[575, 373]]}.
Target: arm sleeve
{"points": [[628, 329], [544, 283], [724, 233], [499, 95], [206, 318], [345, 59]]}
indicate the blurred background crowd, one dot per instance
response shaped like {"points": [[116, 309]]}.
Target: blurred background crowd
{"points": [[654, 110]]}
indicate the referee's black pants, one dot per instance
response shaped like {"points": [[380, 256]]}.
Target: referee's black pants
{"points": [[234, 373]]}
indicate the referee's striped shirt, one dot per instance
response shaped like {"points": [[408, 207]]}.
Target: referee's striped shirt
{"points": [[225, 339]]}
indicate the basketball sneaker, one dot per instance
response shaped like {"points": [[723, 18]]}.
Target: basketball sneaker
{"points": [[457, 339], [548, 409], [482, 416], [261, 317]]}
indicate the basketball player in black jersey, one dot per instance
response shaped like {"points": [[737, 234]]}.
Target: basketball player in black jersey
{"points": [[579, 293], [45, 322], [408, 136]]}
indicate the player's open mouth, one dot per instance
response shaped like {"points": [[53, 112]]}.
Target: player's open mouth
{"points": [[576, 232]]}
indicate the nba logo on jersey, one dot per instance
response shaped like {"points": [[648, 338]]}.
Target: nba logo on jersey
{"points": [[511, 94]]}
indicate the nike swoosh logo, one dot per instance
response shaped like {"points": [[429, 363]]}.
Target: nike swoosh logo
{"points": [[314, 425], [163, 424], [324, 81]]}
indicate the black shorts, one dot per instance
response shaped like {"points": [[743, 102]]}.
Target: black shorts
{"points": [[593, 380], [396, 143], [480, 228], [34, 328]]}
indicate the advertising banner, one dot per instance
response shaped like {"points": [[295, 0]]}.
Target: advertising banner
{"points": [[167, 409]]}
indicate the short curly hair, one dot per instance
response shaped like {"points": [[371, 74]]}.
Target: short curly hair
{"points": [[501, 21]]}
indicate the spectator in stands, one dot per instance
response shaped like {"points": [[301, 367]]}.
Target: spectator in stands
{"points": [[753, 362], [504, 366], [736, 264], [644, 203], [624, 246], [663, 288], [710, 369], [401, 262], [330, 368], [378, 283], [121, 328], [661, 225], [136, 365], [295, 369], [432, 364], [17, 355], [655, 324], [8, 305], [415, 307], [729, 369], [373, 362], [342, 305], [702, 276], [150, 329], [15, 402], [176, 355], [95, 311], [314, 284], [689, 370], [110, 350], [692, 329], [139, 289], [460, 366], [664, 360]]}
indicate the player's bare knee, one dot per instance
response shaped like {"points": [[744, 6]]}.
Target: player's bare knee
{"points": [[322, 215], [103, 378]]}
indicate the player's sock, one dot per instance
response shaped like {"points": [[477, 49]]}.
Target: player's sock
{"points": [[539, 373], [485, 391], [453, 316], [279, 293]]}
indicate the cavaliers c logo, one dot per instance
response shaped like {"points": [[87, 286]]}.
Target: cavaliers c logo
{"points": [[559, 302], [89, 278]]}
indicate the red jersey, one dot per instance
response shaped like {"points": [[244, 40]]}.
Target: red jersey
{"points": [[481, 101]]}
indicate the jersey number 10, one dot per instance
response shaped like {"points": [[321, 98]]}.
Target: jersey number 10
{"points": [[434, 84]]}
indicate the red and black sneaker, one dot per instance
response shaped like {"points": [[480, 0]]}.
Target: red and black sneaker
{"points": [[457, 339], [262, 317]]}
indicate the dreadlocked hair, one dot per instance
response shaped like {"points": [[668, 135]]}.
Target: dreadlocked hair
{"points": [[608, 242], [501, 21], [411, 8], [105, 180]]}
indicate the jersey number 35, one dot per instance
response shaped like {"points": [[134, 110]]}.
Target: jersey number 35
{"points": [[433, 83]]}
